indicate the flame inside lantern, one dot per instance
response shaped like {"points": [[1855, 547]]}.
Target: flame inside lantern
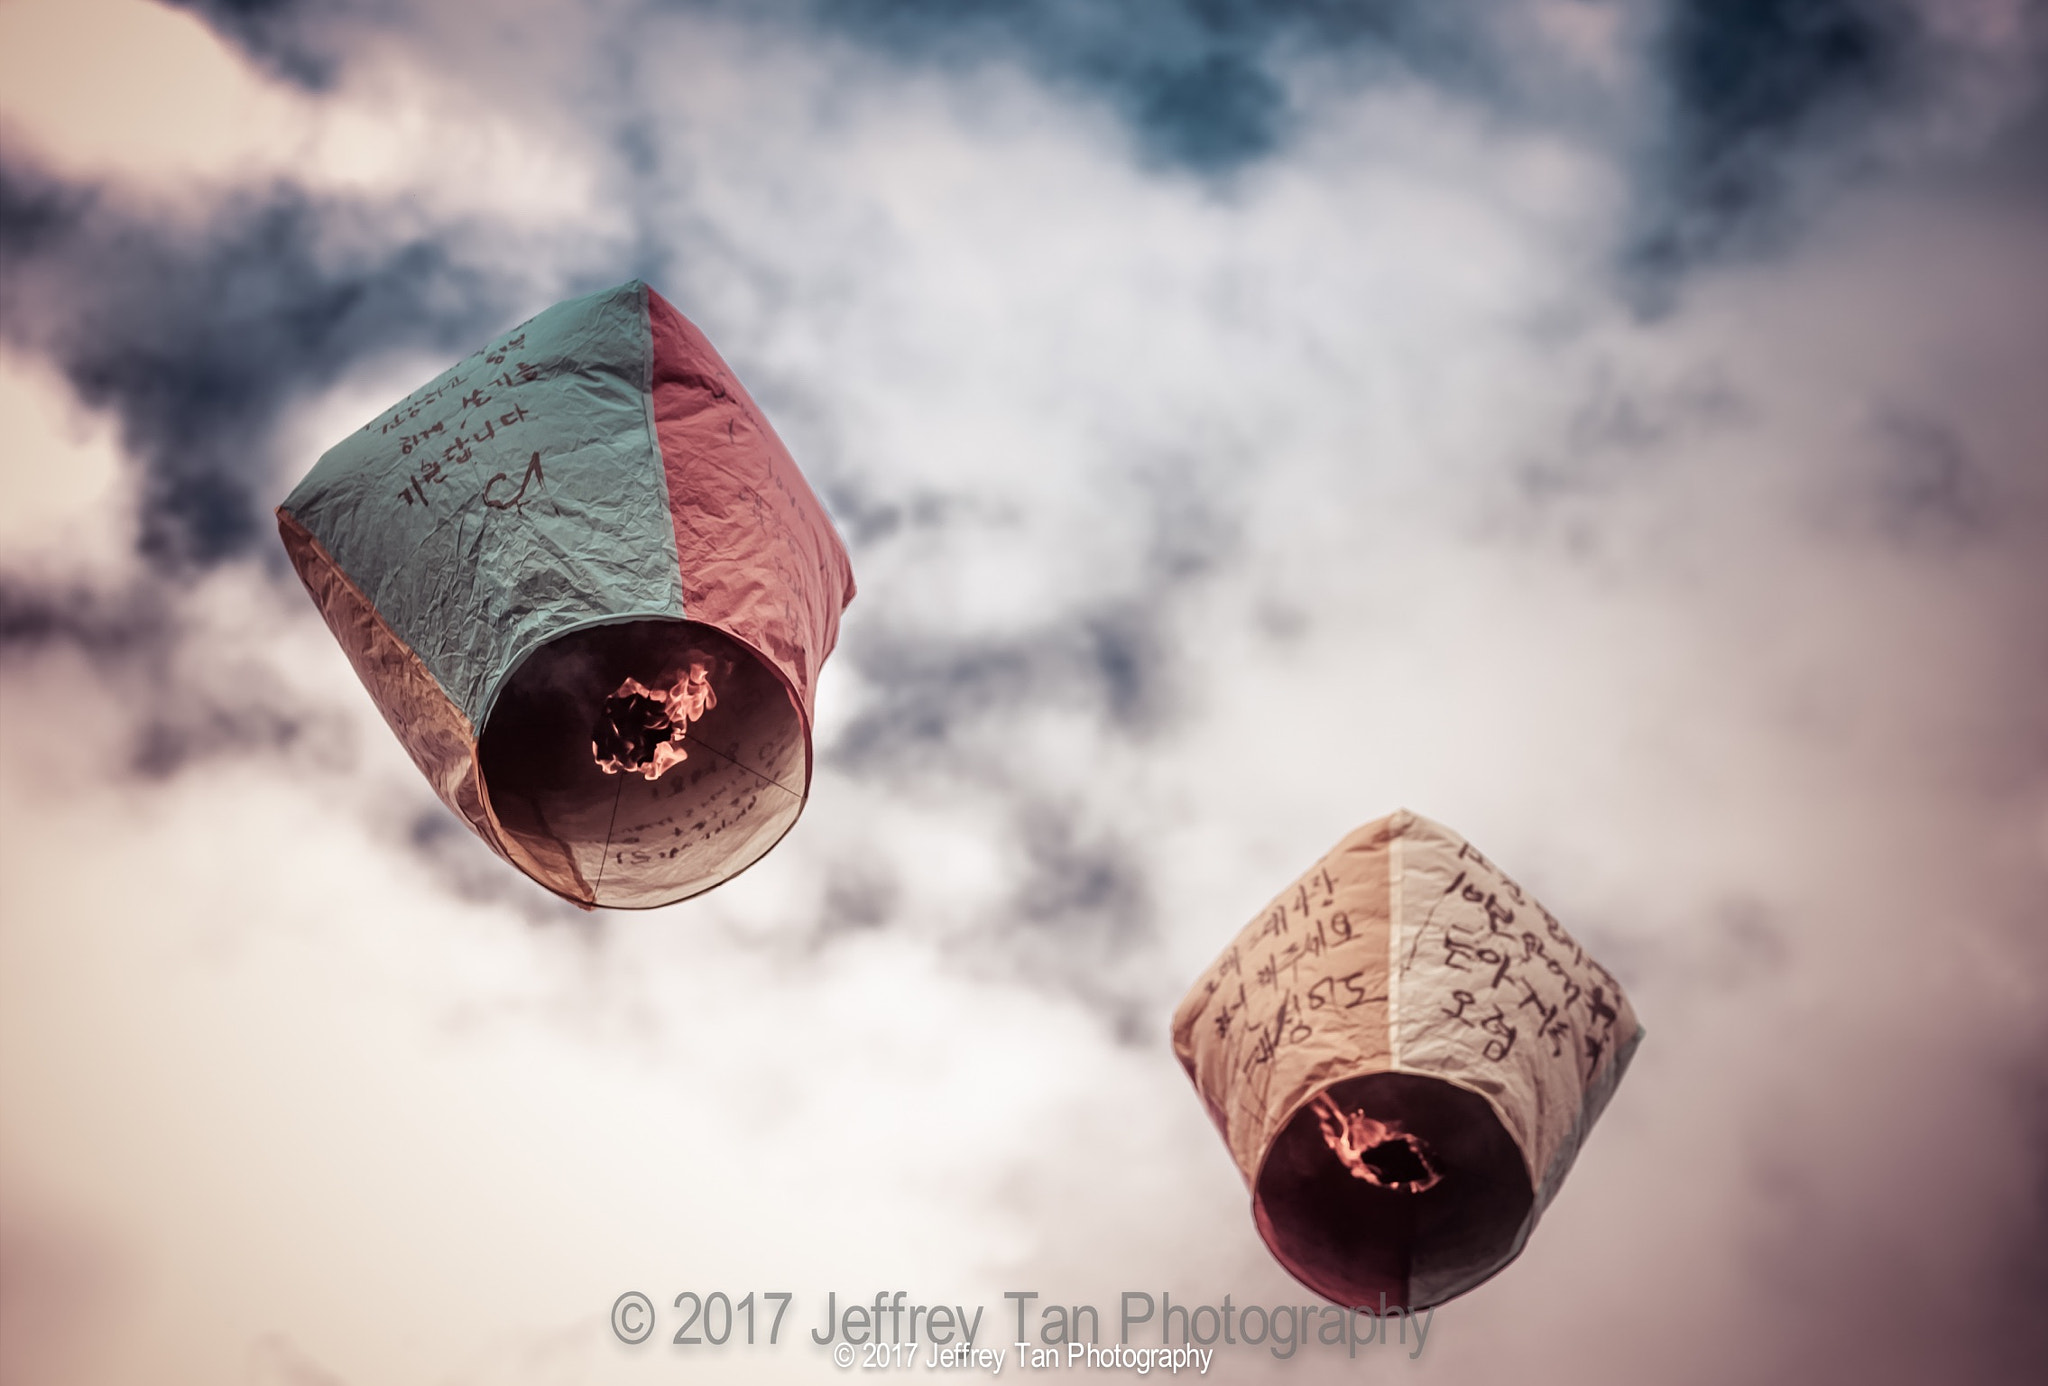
{"points": [[641, 729], [1380, 1153]]}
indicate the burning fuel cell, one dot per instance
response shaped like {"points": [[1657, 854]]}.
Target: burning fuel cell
{"points": [[591, 593], [1404, 1053], [641, 729]]}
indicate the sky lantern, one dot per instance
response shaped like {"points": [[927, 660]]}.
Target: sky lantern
{"points": [[1404, 1053], [591, 593]]}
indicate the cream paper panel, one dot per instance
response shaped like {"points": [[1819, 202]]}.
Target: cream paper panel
{"points": [[1492, 993], [1297, 1001]]}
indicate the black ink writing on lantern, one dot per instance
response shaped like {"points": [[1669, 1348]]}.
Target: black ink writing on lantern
{"points": [[1312, 943], [1326, 887], [1495, 1024], [1288, 1026], [519, 374], [1603, 1014], [1503, 1034], [1275, 924], [416, 484], [1325, 994], [413, 440], [516, 498], [1226, 1013], [1549, 1016]]}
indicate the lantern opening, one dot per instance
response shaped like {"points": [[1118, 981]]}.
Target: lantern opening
{"points": [[1354, 1228], [588, 724]]}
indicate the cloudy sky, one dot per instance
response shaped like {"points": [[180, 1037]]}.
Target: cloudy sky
{"points": [[1612, 428]]}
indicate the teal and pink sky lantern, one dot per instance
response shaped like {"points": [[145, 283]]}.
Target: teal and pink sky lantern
{"points": [[590, 591]]}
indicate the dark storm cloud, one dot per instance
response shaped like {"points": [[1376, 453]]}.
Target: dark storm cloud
{"points": [[860, 895], [251, 715], [1746, 94], [1084, 904], [35, 616], [941, 722], [1929, 483], [1747, 99], [198, 341], [1742, 90], [195, 699], [943, 695], [1199, 81], [1759, 96], [133, 637], [1619, 435], [1111, 658], [1735, 117]]}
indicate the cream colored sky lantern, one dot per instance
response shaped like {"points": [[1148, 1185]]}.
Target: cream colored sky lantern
{"points": [[1404, 1053]]}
